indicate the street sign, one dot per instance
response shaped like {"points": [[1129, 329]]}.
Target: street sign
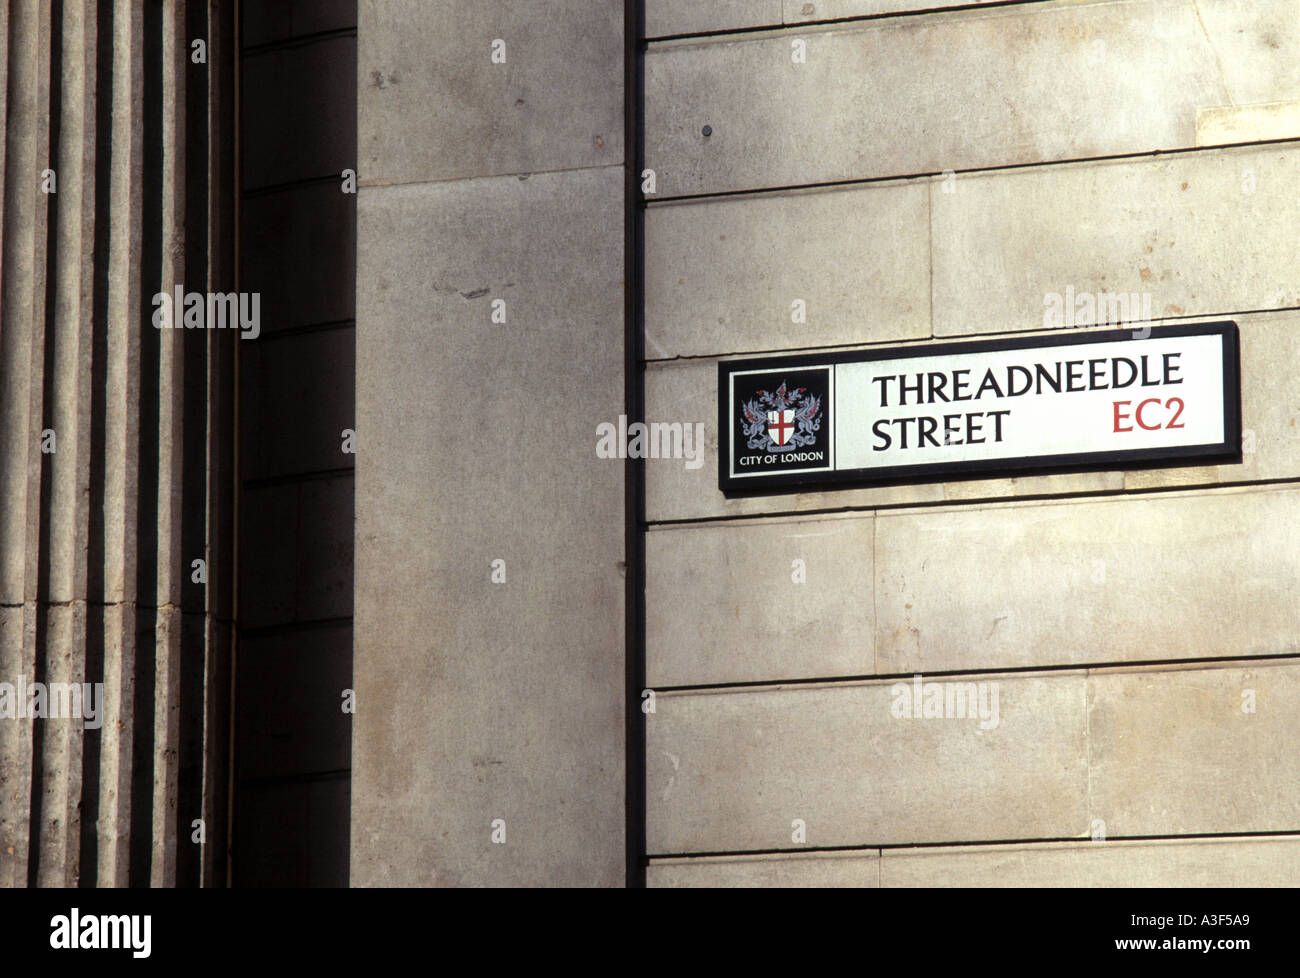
{"points": [[927, 412]]}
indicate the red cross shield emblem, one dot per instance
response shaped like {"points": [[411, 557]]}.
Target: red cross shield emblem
{"points": [[780, 426]]}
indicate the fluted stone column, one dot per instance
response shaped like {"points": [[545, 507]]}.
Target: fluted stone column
{"points": [[115, 459]]}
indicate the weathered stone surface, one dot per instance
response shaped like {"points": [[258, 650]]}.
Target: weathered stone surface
{"points": [[755, 601], [1045, 584], [17, 658], [802, 11], [665, 17], [814, 869], [1257, 47], [731, 771], [1247, 123], [1158, 228], [1133, 75], [1268, 861], [499, 700], [1197, 750], [722, 276], [1121, 579], [1259, 861], [433, 105]]}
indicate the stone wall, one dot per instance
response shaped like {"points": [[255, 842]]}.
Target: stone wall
{"points": [[915, 174], [490, 562]]}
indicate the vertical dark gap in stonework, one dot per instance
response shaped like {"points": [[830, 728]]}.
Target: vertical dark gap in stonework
{"points": [[146, 638], [95, 554], [290, 827], [194, 462], [634, 472], [223, 43], [41, 674], [238, 833]]}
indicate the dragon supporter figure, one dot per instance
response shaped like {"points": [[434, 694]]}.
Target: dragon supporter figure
{"points": [[782, 419]]}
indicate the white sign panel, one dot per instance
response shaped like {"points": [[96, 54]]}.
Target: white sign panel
{"points": [[1106, 399]]}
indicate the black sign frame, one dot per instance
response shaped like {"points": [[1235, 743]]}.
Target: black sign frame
{"points": [[1227, 451]]}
